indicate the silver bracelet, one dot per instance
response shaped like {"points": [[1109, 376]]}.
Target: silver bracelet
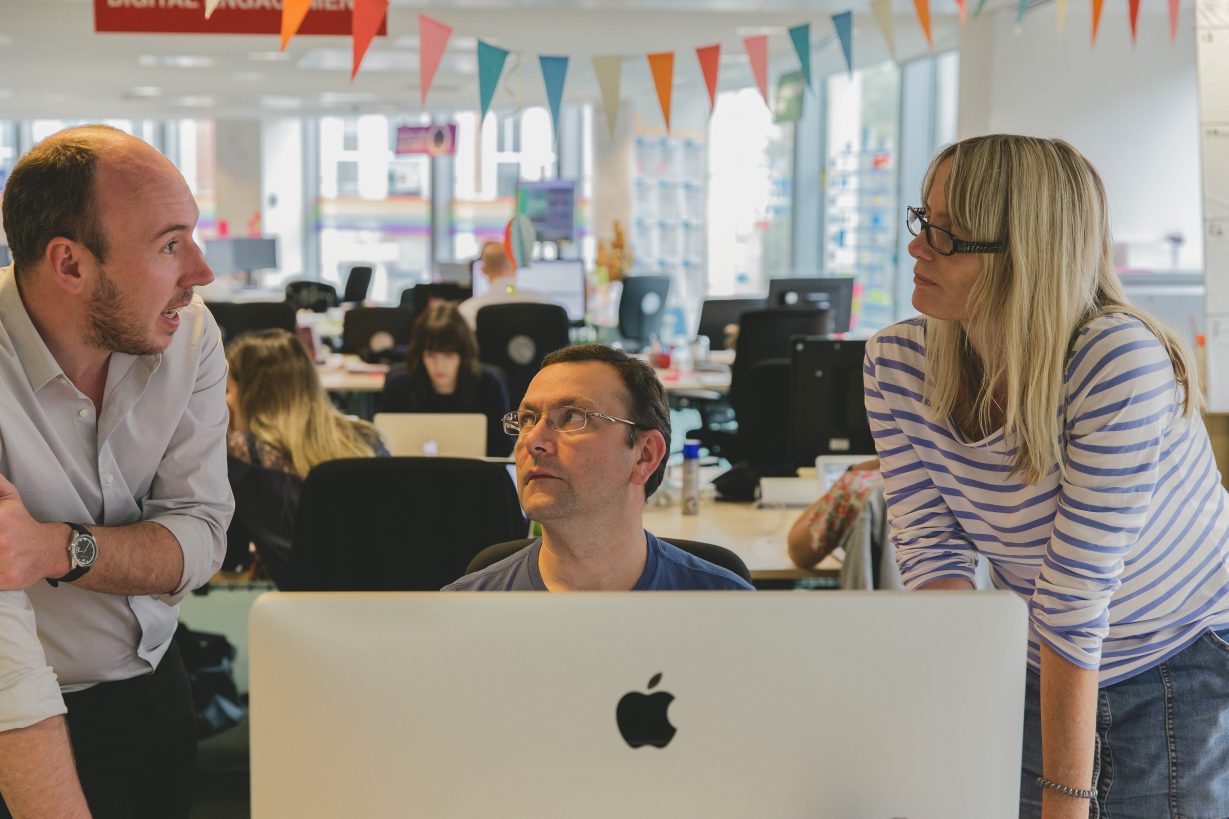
{"points": [[1087, 793]]}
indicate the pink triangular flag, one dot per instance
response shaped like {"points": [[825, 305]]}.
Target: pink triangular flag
{"points": [[1173, 20], [757, 50], [432, 40], [710, 59], [964, 10], [293, 12], [1134, 7], [365, 24]]}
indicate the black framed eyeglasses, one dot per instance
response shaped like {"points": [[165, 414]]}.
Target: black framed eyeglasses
{"points": [[942, 241], [560, 419]]}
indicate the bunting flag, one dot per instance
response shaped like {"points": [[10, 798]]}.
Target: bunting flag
{"points": [[293, 12], [1062, 17], [923, 17], [883, 16], [981, 4], [365, 24], [710, 59], [609, 71], [800, 36], [757, 50], [432, 40], [1173, 20], [210, 7], [1134, 7], [662, 66], [490, 66], [554, 72], [843, 23], [1096, 18], [963, 5], [1021, 8]]}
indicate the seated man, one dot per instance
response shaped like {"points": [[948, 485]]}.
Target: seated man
{"points": [[591, 446], [501, 274]]}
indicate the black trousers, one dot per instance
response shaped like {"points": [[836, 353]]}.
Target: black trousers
{"points": [[134, 742]]}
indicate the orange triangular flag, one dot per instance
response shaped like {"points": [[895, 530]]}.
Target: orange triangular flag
{"points": [[662, 66], [1096, 18], [964, 10], [757, 50], [365, 23], [923, 17], [710, 58], [293, 12], [432, 40], [1134, 6]]}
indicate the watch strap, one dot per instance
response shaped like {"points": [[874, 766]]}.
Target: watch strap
{"points": [[79, 571]]}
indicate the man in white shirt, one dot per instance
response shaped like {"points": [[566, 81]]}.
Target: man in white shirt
{"points": [[113, 485], [501, 275]]}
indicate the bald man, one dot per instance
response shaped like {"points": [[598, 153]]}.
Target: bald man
{"points": [[501, 275], [114, 498]]}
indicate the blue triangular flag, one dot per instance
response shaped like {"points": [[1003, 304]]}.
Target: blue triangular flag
{"points": [[843, 23], [1021, 7], [801, 37], [554, 71], [490, 66]]}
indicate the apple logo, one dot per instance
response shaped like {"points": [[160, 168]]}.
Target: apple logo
{"points": [[642, 717]]}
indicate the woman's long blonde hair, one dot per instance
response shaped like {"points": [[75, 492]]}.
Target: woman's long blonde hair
{"points": [[283, 404], [1047, 203]]}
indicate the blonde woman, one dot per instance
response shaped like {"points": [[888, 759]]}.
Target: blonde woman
{"points": [[1034, 418], [281, 425]]}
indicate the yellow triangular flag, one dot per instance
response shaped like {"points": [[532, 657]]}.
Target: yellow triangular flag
{"points": [[210, 7], [1062, 16], [293, 12], [883, 16], [609, 72]]}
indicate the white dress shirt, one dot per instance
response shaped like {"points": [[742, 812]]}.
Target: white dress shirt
{"points": [[155, 452]]}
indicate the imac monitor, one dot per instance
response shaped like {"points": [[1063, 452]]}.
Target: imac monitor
{"points": [[834, 292], [551, 206], [827, 408], [241, 254], [453, 272], [648, 705], [561, 281]]}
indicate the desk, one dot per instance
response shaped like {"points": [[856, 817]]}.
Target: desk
{"points": [[350, 374], [758, 536], [690, 380]]}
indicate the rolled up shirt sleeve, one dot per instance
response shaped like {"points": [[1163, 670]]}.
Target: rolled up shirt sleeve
{"points": [[930, 543], [190, 494], [29, 692], [1121, 399]]}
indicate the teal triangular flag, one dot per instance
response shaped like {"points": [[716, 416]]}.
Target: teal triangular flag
{"points": [[554, 71], [1020, 9], [844, 30], [490, 66], [980, 5], [801, 37]]}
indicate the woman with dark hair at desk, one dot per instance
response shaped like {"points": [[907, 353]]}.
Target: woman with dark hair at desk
{"points": [[1036, 419], [442, 374], [281, 425]]}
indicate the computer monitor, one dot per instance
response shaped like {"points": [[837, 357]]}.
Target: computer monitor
{"points": [[883, 704], [561, 281], [551, 206], [827, 410], [834, 291], [242, 254], [454, 272]]}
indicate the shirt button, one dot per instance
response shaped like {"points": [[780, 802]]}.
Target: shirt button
{"points": [[110, 479], [83, 412]]}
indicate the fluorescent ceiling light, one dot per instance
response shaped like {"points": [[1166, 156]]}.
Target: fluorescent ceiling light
{"points": [[174, 61], [268, 56], [144, 92]]}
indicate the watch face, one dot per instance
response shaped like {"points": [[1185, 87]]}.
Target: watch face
{"points": [[84, 550]]}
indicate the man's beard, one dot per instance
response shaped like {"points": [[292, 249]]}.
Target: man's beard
{"points": [[109, 325]]}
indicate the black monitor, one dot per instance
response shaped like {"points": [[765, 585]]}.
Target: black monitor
{"points": [[551, 206], [833, 292], [827, 409]]}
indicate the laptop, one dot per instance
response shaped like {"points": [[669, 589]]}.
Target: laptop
{"points": [[452, 435], [678, 704]]}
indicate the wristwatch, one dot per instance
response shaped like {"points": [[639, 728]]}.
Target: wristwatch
{"points": [[82, 552]]}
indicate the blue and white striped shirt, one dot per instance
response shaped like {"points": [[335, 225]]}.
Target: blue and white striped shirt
{"points": [[1125, 561]]}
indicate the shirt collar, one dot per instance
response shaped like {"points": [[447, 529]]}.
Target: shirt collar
{"points": [[36, 360]]}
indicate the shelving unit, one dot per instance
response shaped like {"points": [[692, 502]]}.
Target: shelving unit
{"points": [[861, 234]]}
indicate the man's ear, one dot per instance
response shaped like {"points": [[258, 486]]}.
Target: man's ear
{"points": [[651, 449], [64, 259]]}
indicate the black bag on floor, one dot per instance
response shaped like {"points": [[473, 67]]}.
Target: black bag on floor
{"points": [[209, 660]]}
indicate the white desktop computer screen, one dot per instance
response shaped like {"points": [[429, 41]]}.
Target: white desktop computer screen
{"points": [[561, 281]]}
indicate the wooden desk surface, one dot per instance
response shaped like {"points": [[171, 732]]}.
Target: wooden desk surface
{"points": [[758, 536], [350, 374]]}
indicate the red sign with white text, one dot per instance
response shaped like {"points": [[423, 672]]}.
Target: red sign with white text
{"points": [[230, 17]]}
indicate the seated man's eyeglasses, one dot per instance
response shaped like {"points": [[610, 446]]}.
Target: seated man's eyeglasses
{"points": [[560, 419], [942, 241]]}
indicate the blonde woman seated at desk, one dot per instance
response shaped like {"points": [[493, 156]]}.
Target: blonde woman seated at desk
{"points": [[825, 523], [281, 425]]}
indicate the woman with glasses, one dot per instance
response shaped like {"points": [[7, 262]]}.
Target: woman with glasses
{"points": [[1032, 418], [442, 374]]}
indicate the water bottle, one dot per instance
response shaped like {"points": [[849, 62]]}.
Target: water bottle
{"points": [[691, 477]]}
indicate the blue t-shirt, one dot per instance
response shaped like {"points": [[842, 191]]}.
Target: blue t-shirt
{"points": [[668, 568]]}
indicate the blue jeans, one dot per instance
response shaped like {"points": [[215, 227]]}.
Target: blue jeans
{"points": [[1162, 739]]}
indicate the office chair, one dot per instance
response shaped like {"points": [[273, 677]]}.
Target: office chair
{"points": [[424, 295], [399, 524], [717, 314], [717, 555], [357, 284], [640, 309], [238, 318], [516, 336], [309, 295], [361, 324]]}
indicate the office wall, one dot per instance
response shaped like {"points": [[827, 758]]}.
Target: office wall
{"points": [[1132, 110]]}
